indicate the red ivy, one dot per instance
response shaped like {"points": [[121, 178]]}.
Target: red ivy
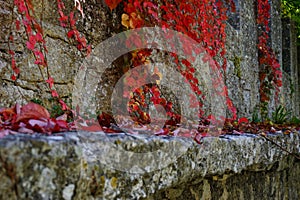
{"points": [[202, 21], [36, 43], [270, 74]]}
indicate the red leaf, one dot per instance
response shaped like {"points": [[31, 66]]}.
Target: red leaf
{"points": [[105, 119], [38, 129], [38, 28], [31, 42], [92, 128], [88, 50], [112, 4], [149, 4], [13, 63], [70, 33], [11, 52], [72, 19], [109, 130], [33, 111], [30, 45], [198, 138], [39, 37], [17, 70], [54, 93], [13, 77], [63, 105], [11, 38], [17, 25], [243, 120], [62, 124], [8, 114], [50, 81]]}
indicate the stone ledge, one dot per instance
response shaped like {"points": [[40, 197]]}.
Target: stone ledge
{"points": [[98, 166]]}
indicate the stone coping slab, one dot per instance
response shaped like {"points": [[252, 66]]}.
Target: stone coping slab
{"points": [[83, 165]]}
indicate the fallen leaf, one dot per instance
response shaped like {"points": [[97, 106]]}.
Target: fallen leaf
{"points": [[112, 4], [105, 119], [243, 120], [92, 128], [33, 111], [125, 20], [25, 130], [34, 122]]}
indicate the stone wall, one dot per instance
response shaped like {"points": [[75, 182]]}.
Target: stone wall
{"points": [[290, 65], [242, 78], [242, 75], [99, 166], [100, 24], [63, 57]]}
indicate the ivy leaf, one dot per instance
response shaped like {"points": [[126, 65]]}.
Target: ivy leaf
{"points": [[243, 120], [33, 111], [50, 81], [72, 20], [125, 20], [39, 37], [17, 25], [70, 33], [31, 43], [16, 70], [91, 128], [63, 105], [112, 4], [105, 119], [63, 125], [54, 93], [8, 115], [13, 77]]}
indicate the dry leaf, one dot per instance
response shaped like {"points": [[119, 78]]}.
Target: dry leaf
{"points": [[112, 4]]}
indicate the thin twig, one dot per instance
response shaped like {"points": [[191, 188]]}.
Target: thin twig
{"points": [[278, 145]]}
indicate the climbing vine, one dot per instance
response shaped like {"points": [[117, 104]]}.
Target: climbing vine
{"points": [[204, 22], [270, 74], [36, 43]]}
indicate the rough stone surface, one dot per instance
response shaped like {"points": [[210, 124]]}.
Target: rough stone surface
{"points": [[242, 74], [75, 166], [290, 66]]}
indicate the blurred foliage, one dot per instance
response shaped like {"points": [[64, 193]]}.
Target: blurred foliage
{"points": [[295, 120], [37, 101], [280, 115], [291, 9], [255, 116]]}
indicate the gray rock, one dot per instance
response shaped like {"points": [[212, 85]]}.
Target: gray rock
{"points": [[98, 166], [68, 192]]}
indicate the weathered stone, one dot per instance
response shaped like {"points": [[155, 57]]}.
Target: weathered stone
{"points": [[289, 66], [90, 166], [242, 74]]}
